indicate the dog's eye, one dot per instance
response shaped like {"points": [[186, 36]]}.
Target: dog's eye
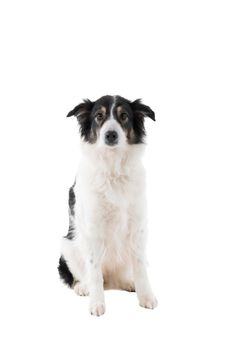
{"points": [[99, 116], [123, 116]]}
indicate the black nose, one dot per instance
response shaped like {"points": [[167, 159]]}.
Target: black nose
{"points": [[111, 138]]}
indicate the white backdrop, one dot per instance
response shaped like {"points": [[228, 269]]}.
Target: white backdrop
{"points": [[177, 56]]}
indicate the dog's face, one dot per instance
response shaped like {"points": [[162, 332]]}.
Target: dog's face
{"points": [[112, 121]]}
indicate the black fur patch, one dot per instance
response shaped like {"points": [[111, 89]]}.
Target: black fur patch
{"points": [[64, 272], [130, 116], [72, 200], [71, 232], [82, 112]]}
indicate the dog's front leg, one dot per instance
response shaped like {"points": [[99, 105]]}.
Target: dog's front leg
{"points": [[142, 285], [95, 250], [143, 289]]}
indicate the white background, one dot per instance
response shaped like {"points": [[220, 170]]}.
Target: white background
{"points": [[177, 56]]}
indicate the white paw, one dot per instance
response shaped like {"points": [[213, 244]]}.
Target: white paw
{"points": [[148, 301], [97, 309], [81, 289]]}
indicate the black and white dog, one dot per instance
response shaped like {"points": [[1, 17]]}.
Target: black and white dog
{"points": [[105, 245]]}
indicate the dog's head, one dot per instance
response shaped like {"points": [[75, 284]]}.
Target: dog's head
{"points": [[112, 121]]}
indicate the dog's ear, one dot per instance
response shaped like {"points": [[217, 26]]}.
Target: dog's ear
{"points": [[142, 110], [82, 113], [82, 110]]}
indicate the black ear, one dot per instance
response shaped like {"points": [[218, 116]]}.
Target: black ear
{"points": [[82, 113], [82, 109], [142, 110]]}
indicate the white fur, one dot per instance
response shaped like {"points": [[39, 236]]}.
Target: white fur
{"points": [[108, 250], [112, 108]]}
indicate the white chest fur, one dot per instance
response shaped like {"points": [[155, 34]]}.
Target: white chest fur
{"points": [[110, 195]]}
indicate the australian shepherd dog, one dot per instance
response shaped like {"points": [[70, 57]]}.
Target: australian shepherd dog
{"points": [[105, 245]]}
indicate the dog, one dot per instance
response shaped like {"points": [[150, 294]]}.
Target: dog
{"points": [[105, 244]]}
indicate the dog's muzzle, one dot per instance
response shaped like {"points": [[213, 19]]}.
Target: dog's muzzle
{"points": [[111, 138]]}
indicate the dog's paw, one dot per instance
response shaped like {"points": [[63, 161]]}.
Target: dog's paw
{"points": [[97, 309], [81, 289], [148, 301]]}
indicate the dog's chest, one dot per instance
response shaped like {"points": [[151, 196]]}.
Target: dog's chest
{"points": [[115, 202], [117, 191], [114, 199], [108, 197], [109, 192], [116, 235]]}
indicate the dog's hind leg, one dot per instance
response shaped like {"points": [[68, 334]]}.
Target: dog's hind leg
{"points": [[72, 268], [70, 264], [64, 272]]}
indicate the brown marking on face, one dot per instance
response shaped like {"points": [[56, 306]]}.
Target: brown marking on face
{"points": [[119, 110], [103, 110], [130, 136], [93, 136]]}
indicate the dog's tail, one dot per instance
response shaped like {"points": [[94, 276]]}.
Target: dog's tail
{"points": [[64, 272]]}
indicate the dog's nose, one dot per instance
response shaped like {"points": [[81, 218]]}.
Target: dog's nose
{"points": [[111, 138]]}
